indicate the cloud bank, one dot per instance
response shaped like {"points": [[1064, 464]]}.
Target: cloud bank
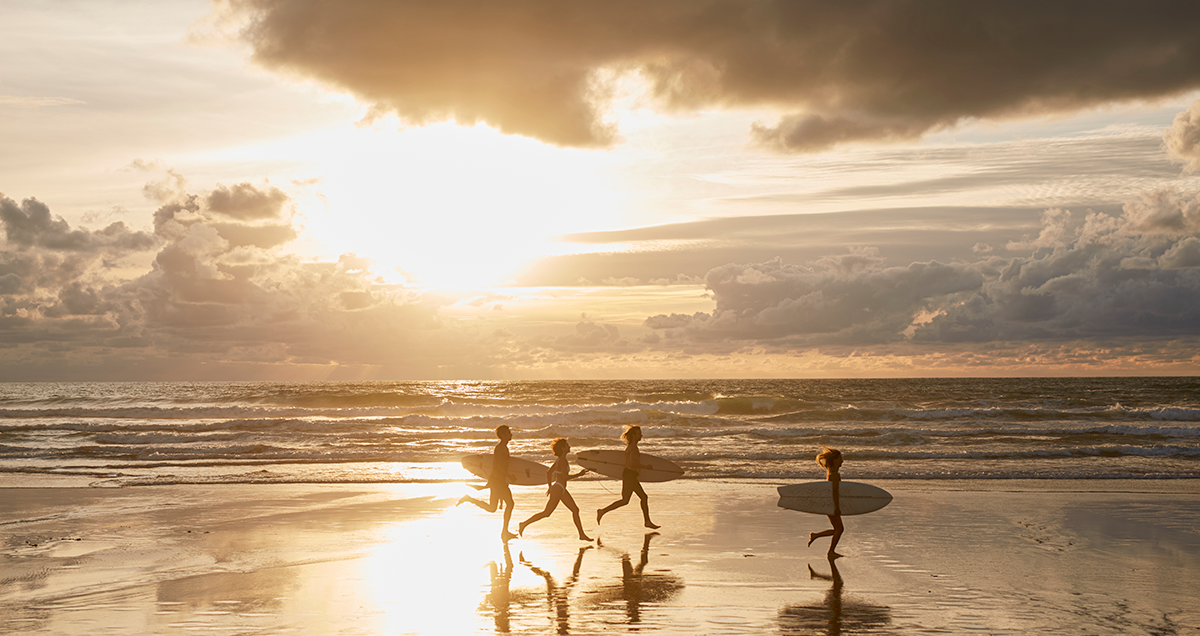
{"points": [[1134, 275], [875, 70], [220, 298]]}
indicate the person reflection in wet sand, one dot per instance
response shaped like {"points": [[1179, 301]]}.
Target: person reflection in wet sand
{"points": [[637, 587], [498, 483], [559, 596], [499, 598], [831, 460], [557, 477], [834, 615]]}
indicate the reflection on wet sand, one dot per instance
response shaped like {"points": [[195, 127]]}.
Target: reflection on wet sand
{"points": [[836, 615], [637, 587], [559, 595], [499, 597]]}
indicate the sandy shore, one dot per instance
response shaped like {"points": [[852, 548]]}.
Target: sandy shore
{"points": [[1094, 557]]}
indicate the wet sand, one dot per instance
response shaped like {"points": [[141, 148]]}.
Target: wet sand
{"points": [[1003, 557]]}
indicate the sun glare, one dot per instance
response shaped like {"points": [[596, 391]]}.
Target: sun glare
{"points": [[451, 207]]}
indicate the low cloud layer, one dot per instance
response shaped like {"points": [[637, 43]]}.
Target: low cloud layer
{"points": [[1131, 276], [222, 298], [220, 295], [844, 72]]}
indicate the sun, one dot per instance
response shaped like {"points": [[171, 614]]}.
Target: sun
{"points": [[449, 206]]}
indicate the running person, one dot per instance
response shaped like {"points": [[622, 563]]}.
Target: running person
{"points": [[630, 483], [556, 478], [498, 482], [831, 460]]}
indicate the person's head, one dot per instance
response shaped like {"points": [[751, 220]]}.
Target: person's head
{"points": [[632, 433], [560, 447], [503, 433], [829, 458]]}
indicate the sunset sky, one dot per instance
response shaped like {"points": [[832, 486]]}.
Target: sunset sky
{"points": [[471, 189]]}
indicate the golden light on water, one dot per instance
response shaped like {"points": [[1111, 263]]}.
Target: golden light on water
{"points": [[426, 577]]}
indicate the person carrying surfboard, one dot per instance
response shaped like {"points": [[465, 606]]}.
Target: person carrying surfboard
{"points": [[831, 460], [556, 478], [630, 483], [498, 482]]}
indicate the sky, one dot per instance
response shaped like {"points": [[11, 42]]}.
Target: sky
{"points": [[470, 189]]}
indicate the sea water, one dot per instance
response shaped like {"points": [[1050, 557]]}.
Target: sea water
{"points": [[119, 434]]}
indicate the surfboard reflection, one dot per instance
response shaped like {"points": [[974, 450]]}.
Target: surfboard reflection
{"points": [[636, 586], [836, 615]]}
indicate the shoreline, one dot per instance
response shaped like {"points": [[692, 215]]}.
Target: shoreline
{"points": [[1118, 557]]}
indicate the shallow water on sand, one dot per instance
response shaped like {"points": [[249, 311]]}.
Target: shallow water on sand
{"points": [[380, 559]]}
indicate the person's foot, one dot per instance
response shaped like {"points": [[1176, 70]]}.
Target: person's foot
{"points": [[507, 536], [584, 537], [462, 500], [599, 515], [521, 528], [812, 536], [833, 555], [651, 525]]}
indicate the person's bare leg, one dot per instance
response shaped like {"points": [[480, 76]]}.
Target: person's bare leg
{"points": [[626, 493], [838, 529], [555, 494], [569, 502], [508, 506], [813, 536], [641, 492], [490, 506]]}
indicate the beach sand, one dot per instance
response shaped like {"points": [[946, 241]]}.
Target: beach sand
{"points": [[988, 557]]}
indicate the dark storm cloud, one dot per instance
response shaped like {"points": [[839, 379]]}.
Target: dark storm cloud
{"points": [[847, 71], [1136, 275]]}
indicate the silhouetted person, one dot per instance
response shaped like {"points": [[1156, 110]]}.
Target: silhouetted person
{"points": [[498, 482], [630, 483], [831, 460], [557, 477]]}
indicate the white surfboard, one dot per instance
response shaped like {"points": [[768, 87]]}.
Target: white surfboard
{"points": [[611, 463], [816, 497], [521, 472]]}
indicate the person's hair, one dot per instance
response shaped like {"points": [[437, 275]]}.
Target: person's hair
{"points": [[829, 457], [503, 428], [557, 444], [630, 428]]}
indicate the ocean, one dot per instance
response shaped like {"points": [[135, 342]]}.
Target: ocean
{"points": [[128, 434]]}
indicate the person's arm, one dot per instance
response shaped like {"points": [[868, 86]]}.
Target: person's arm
{"points": [[577, 475]]}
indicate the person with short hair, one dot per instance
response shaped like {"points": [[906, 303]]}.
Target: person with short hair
{"points": [[498, 482]]}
